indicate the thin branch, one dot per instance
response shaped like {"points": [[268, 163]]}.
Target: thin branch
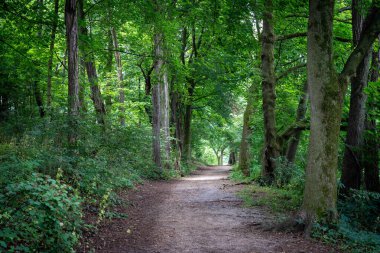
{"points": [[347, 8], [304, 34], [291, 36], [290, 70]]}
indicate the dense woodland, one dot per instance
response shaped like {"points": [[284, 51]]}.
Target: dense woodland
{"points": [[99, 95]]}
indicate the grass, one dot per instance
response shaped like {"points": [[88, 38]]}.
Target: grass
{"points": [[277, 200]]}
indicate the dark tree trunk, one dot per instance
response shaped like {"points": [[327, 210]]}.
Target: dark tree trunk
{"points": [[71, 22], [301, 112], [371, 144], [271, 149], [232, 158], [51, 52], [352, 168], [187, 125], [148, 89], [38, 98], [89, 63]]}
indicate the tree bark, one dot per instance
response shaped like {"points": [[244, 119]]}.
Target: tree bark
{"points": [[232, 158], [271, 149], [162, 81], [245, 144], [371, 144], [352, 167], [108, 68], [71, 22], [89, 63], [187, 124], [326, 98], [156, 118], [301, 112], [51, 52], [119, 67]]}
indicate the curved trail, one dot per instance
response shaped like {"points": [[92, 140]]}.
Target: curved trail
{"points": [[199, 213]]}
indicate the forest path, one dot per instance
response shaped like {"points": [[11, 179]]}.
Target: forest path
{"points": [[198, 213]]}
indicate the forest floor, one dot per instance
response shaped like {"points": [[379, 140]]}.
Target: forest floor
{"points": [[198, 213]]}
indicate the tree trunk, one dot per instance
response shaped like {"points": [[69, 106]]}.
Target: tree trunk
{"points": [[156, 118], [36, 85], [51, 51], [221, 156], [301, 112], [89, 63], [187, 133], [232, 158], [162, 78], [245, 144], [371, 144], [326, 99], [38, 98], [119, 77], [271, 149], [352, 168], [71, 22], [108, 68]]}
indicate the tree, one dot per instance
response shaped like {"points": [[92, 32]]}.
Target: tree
{"points": [[327, 89], [271, 148], [89, 63], [120, 78], [352, 161], [71, 21]]}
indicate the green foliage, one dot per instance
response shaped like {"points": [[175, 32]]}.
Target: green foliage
{"points": [[39, 215], [362, 210], [357, 229]]}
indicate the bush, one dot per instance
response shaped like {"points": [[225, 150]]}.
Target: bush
{"points": [[358, 227], [39, 215], [362, 209]]}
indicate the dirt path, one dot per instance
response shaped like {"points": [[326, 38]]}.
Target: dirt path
{"points": [[199, 213]]}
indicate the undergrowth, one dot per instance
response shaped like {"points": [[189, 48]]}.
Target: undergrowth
{"points": [[45, 187]]}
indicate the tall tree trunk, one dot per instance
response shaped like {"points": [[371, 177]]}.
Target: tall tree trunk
{"points": [[245, 144], [371, 144], [271, 149], [156, 120], [301, 113], [89, 63], [326, 99], [51, 51], [162, 80], [71, 22], [108, 68], [36, 85], [232, 158], [352, 167], [187, 129], [327, 90], [119, 77]]}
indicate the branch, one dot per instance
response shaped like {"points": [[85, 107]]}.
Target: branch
{"points": [[370, 32], [291, 36], [347, 8], [288, 71], [304, 34]]}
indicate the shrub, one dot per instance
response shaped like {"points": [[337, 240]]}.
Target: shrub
{"points": [[39, 215]]}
